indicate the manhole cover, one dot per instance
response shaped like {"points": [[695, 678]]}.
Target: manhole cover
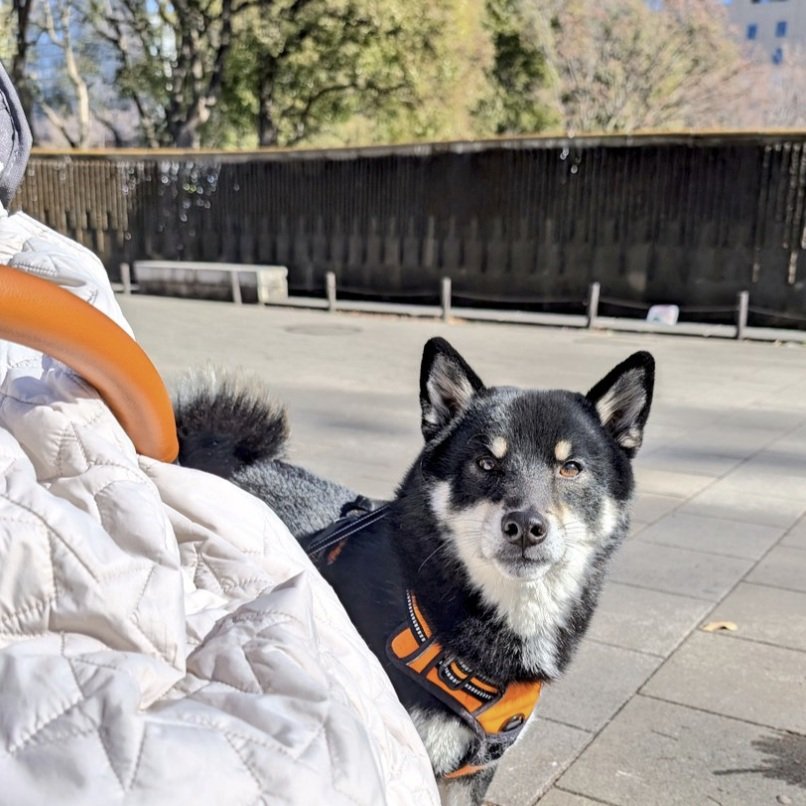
{"points": [[613, 339], [323, 330]]}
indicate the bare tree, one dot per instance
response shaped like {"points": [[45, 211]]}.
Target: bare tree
{"points": [[16, 37], [68, 113], [624, 66], [51, 65], [775, 94]]}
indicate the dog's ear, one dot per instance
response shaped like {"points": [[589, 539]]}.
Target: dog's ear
{"points": [[622, 400], [447, 385]]}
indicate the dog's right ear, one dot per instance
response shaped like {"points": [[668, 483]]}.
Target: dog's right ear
{"points": [[447, 385], [622, 400]]}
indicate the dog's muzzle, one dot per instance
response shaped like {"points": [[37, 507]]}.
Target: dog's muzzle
{"points": [[524, 528]]}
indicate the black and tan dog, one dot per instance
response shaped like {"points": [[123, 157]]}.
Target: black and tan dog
{"points": [[474, 585]]}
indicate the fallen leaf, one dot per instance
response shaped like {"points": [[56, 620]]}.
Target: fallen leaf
{"points": [[717, 626]]}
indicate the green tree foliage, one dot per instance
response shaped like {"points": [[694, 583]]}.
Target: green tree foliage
{"points": [[241, 73], [270, 72], [446, 82], [170, 60], [311, 65], [516, 101]]}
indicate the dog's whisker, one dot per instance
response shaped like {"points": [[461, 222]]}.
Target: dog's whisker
{"points": [[432, 554]]}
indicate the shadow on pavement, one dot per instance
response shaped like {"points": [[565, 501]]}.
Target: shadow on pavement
{"points": [[785, 759]]}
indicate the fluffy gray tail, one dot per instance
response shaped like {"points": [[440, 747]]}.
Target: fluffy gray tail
{"points": [[226, 421]]}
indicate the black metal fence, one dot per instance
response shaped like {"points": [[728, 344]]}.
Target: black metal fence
{"points": [[686, 219]]}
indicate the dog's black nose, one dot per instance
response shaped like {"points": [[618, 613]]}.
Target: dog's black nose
{"points": [[527, 527]]}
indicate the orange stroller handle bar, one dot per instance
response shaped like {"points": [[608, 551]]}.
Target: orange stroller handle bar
{"points": [[41, 315]]}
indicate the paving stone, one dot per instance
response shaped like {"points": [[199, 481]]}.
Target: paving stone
{"points": [[531, 766], [559, 797], [725, 437], [742, 679], [783, 567], [657, 435], [717, 404], [721, 501], [645, 620], [636, 527], [685, 418], [667, 482], [790, 398], [792, 445], [600, 679], [765, 614], [771, 472], [648, 507], [796, 536], [658, 753], [714, 535], [674, 570], [690, 459], [785, 420]]}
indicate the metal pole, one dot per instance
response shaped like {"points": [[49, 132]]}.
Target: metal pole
{"points": [[126, 276], [330, 290], [446, 299], [236, 287], [741, 314], [593, 304]]}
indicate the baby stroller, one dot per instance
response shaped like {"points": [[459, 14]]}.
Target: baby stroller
{"points": [[163, 639]]}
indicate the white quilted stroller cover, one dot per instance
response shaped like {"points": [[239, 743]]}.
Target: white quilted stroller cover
{"points": [[163, 639]]}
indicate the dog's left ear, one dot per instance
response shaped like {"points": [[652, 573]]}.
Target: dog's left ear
{"points": [[622, 400], [447, 384]]}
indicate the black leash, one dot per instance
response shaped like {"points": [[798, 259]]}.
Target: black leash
{"points": [[342, 529]]}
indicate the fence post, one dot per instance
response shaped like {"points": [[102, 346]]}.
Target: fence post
{"points": [[741, 314], [593, 304], [446, 298], [330, 290], [126, 276], [235, 280]]}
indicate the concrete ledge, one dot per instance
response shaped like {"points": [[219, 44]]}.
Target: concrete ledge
{"points": [[205, 280]]}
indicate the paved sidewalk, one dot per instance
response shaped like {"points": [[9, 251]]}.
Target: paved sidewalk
{"points": [[655, 710]]}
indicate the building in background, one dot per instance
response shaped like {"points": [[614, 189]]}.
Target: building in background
{"points": [[772, 28]]}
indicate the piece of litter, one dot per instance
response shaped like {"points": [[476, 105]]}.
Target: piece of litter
{"points": [[663, 314], [717, 626]]}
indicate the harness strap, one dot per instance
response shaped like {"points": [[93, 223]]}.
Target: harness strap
{"points": [[341, 530], [495, 713]]}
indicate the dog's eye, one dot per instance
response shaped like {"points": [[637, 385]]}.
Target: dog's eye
{"points": [[486, 463], [570, 470]]}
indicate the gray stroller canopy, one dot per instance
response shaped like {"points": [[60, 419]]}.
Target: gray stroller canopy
{"points": [[15, 140]]}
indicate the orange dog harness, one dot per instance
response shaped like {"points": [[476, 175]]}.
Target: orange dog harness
{"points": [[495, 714]]}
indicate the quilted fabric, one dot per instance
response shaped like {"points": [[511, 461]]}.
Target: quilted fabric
{"points": [[163, 639]]}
